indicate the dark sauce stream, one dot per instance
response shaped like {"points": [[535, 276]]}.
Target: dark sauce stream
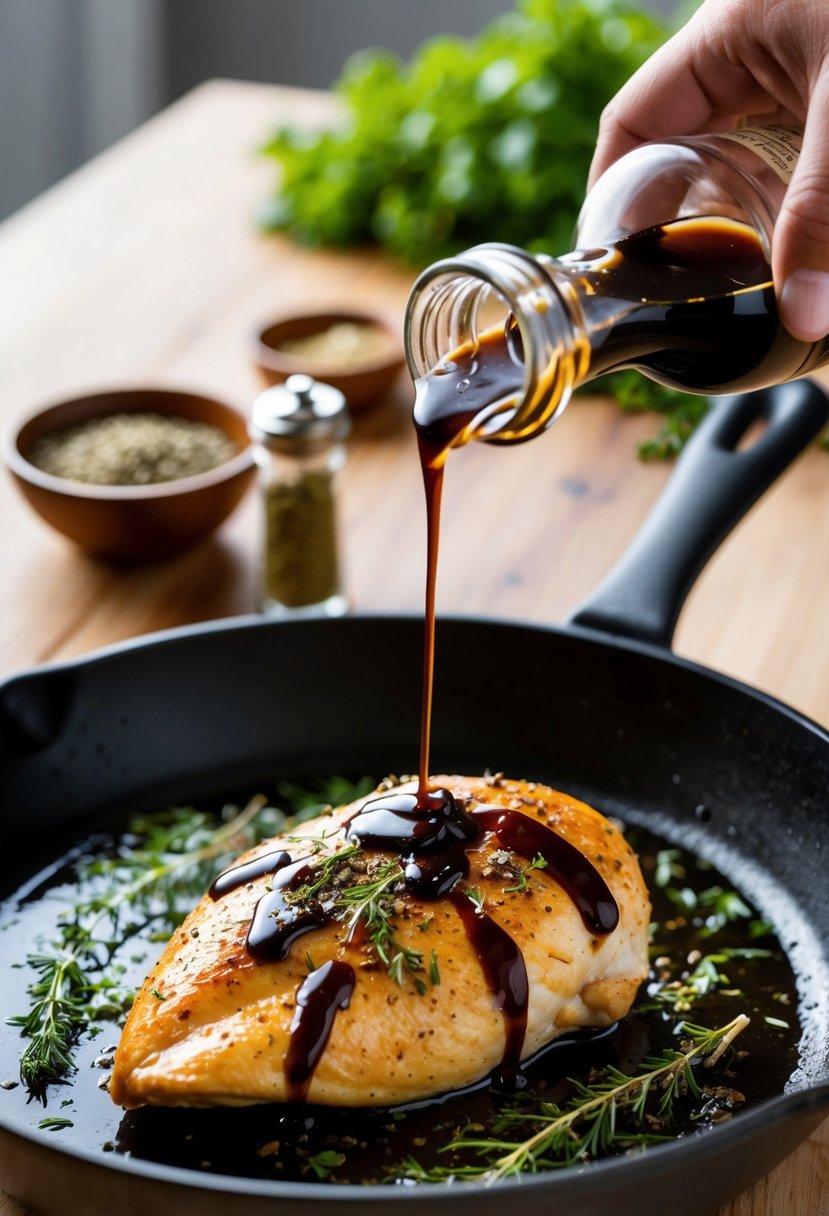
{"points": [[701, 262], [429, 830]]}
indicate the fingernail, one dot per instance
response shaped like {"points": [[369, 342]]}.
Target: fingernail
{"points": [[804, 304]]}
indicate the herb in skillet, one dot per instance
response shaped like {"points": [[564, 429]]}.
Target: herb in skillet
{"points": [[365, 891], [686, 1086], [151, 882], [611, 1111], [659, 1077]]}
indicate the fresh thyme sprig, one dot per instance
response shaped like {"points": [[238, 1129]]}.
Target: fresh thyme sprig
{"points": [[76, 984], [366, 893], [588, 1125], [372, 903], [324, 872], [522, 881], [77, 977]]}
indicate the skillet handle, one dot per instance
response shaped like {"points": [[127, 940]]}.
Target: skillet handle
{"points": [[713, 487]]}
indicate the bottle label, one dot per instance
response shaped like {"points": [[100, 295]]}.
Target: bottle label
{"points": [[779, 147]]}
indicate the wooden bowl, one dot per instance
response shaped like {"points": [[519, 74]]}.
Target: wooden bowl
{"points": [[133, 523], [362, 383]]}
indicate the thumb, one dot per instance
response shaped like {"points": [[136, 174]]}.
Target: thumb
{"points": [[800, 246]]}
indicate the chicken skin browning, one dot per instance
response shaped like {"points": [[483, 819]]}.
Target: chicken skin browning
{"points": [[505, 961]]}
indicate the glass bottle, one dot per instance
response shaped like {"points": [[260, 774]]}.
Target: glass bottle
{"points": [[299, 429], [670, 275]]}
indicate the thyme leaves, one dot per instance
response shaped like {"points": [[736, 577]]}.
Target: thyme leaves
{"points": [[522, 881], [153, 879], [152, 876], [610, 1111], [705, 977], [374, 903], [365, 894]]}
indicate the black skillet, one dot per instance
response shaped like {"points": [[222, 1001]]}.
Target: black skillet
{"points": [[600, 708]]}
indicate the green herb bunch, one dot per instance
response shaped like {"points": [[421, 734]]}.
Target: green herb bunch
{"points": [[480, 139]]}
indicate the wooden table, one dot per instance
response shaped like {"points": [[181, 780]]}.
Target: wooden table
{"points": [[146, 268]]}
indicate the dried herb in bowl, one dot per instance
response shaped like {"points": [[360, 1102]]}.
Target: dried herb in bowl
{"points": [[344, 344], [132, 449]]}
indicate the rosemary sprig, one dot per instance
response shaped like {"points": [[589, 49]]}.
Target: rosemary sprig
{"points": [[55, 1124], [587, 1125]]}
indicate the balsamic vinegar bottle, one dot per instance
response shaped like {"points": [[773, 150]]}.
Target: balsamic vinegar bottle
{"points": [[671, 275]]}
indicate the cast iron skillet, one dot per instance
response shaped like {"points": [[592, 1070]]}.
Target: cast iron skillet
{"points": [[600, 708]]}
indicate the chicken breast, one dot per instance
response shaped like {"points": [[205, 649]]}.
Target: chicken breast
{"points": [[320, 971]]}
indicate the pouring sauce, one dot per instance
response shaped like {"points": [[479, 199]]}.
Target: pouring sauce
{"points": [[429, 830], [701, 263]]}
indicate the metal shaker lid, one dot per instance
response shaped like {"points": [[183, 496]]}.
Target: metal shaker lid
{"points": [[301, 409]]}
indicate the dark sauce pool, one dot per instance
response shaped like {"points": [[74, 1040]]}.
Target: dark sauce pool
{"points": [[304, 1142]]}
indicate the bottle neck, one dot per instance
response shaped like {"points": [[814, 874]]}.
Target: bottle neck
{"points": [[495, 342]]}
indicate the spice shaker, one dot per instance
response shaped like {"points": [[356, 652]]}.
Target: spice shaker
{"points": [[299, 429], [670, 274]]}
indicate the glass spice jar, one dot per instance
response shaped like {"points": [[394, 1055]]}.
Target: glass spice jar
{"points": [[671, 275], [299, 429]]}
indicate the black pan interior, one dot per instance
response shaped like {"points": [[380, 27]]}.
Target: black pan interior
{"points": [[732, 774]]}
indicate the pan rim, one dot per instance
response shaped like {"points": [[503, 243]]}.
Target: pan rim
{"points": [[656, 1160], [255, 621]]}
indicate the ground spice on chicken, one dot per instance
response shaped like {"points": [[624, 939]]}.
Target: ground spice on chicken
{"points": [[132, 450]]}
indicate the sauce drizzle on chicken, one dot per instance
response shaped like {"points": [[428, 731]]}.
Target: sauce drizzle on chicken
{"points": [[430, 831]]}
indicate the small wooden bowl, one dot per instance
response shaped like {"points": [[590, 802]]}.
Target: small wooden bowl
{"points": [[133, 523], [360, 383]]}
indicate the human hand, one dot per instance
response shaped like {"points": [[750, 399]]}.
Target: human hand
{"points": [[765, 61]]}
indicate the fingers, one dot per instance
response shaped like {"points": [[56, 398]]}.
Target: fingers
{"points": [[698, 81], [690, 84], [662, 98], [800, 247], [738, 57]]}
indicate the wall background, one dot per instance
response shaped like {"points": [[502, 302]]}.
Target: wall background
{"points": [[75, 75]]}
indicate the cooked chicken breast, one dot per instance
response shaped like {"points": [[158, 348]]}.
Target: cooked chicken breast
{"points": [[384, 997]]}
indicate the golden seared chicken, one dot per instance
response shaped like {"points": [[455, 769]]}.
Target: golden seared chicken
{"points": [[392, 951]]}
